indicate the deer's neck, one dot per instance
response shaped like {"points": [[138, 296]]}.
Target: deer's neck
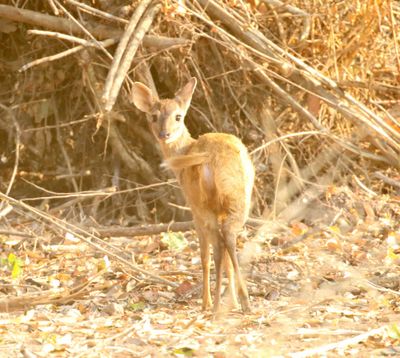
{"points": [[179, 146]]}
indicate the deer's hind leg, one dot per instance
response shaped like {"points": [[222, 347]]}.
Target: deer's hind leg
{"points": [[230, 274], [204, 244], [206, 228], [230, 228], [208, 231]]}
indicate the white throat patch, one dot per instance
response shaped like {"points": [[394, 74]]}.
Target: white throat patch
{"points": [[175, 135]]}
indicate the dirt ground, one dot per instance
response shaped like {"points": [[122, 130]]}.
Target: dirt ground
{"points": [[315, 291]]}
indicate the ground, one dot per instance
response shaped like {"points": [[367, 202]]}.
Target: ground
{"points": [[321, 290]]}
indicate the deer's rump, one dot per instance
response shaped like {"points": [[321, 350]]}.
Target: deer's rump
{"points": [[211, 180]]}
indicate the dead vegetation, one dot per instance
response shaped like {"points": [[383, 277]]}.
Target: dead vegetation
{"points": [[312, 88]]}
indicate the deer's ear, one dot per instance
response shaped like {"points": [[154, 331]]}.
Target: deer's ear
{"points": [[184, 95], [142, 98]]}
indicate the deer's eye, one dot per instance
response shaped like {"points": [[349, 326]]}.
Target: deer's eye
{"points": [[178, 117], [154, 119]]}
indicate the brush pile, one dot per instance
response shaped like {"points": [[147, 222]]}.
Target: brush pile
{"points": [[312, 88]]}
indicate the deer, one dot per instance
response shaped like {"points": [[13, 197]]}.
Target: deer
{"points": [[216, 175]]}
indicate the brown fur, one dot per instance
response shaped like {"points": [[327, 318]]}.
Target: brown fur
{"points": [[216, 175]]}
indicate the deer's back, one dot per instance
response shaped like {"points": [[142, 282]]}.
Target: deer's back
{"points": [[223, 183]]}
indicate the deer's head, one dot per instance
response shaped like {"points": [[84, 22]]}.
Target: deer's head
{"points": [[167, 114]]}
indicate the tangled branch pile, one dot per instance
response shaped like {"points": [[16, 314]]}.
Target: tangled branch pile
{"points": [[311, 88]]}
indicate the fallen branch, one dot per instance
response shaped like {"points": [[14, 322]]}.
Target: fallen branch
{"points": [[122, 45], [128, 55], [387, 180], [143, 230], [64, 25]]}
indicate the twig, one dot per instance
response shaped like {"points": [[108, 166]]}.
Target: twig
{"points": [[239, 30], [338, 345], [82, 235], [4, 211], [324, 332], [83, 28], [382, 289], [62, 36], [387, 180], [105, 192], [295, 11], [53, 7], [63, 54], [64, 152], [51, 58], [96, 12], [364, 187], [395, 35], [163, 42], [15, 233], [17, 146], [67, 124], [286, 136]]}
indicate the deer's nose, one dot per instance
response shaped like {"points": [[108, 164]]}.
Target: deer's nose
{"points": [[163, 135]]}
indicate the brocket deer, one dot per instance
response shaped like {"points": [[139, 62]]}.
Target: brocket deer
{"points": [[216, 175]]}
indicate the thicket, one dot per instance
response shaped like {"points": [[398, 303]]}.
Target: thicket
{"points": [[311, 87]]}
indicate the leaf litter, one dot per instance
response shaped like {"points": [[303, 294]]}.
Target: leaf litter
{"points": [[334, 292]]}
